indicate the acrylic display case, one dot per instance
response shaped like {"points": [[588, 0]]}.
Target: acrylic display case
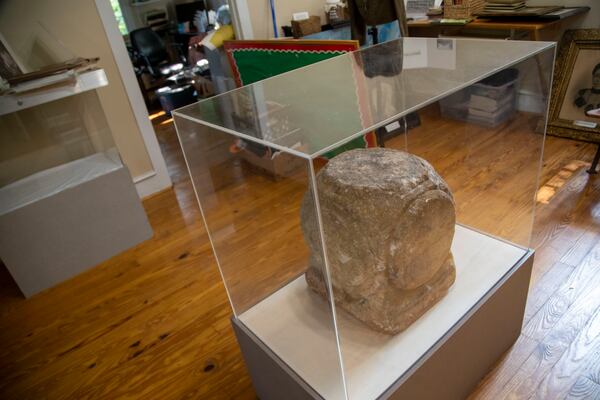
{"points": [[67, 202], [474, 109], [54, 144]]}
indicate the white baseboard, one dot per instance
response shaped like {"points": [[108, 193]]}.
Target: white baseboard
{"points": [[150, 183]]}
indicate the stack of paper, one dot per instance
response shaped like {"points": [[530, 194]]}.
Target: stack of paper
{"points": [[504, 5]]}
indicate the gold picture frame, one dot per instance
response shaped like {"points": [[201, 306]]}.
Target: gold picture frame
{"points": [[578, 50]]}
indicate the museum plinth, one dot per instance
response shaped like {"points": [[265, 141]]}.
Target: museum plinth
{"points": [[441, 356]]}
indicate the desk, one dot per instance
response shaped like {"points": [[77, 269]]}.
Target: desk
{"points": [[532, 30]]}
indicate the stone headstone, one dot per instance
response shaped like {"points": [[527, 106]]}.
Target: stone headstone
{"points": [[388, 222]]}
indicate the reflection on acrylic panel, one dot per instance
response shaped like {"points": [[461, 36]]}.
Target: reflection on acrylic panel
{"points": [[52, 134], [343, 97], [250, 195]]}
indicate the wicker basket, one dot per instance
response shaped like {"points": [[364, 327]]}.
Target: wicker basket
{"points": [[464, 10], [306, 27]]}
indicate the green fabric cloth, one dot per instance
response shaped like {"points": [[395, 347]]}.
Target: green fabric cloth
{"points": [[256, 65]]}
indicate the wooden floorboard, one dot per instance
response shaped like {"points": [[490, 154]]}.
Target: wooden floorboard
{"points": [[153, 322], [584, 389], [553, 340]]}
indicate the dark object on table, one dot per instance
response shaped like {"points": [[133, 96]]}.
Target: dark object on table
{"points": [[397, 128], [525, 12], [365, 13], [564, 13], [337, 25], [173, 98]]}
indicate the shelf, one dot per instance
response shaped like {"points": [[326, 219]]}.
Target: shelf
{"points": [[82, 82], [374, 361]]}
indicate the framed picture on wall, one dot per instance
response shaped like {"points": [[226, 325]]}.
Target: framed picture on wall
{"points": [[575, 102]]}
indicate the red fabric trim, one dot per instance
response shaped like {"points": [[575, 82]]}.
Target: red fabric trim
{"points": [[371, 139], [234, 69], [288, 46]]}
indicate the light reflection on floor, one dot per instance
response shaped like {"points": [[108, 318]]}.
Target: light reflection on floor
{"points": [[550, 188], [156, 115]]}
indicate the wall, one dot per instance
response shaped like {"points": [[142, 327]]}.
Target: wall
{"points": [[69, 28], [260, 14]]}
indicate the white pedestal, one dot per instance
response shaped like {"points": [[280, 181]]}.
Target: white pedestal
{"points": [[293, 329], [60, 222]]}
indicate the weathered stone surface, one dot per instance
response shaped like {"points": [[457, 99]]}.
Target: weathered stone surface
{"points": [[388, 220]]}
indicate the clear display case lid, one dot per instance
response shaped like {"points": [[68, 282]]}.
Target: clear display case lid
{"points": [[314, 109]]}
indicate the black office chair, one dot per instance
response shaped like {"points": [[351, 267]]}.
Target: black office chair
{"points": [[150, 49]]}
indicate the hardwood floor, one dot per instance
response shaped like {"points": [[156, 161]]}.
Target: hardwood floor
{"points": [[153, 322]]}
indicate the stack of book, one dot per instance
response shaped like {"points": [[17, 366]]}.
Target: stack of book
{"points": [[493, 100], [504, 5], [491, 112], [489, 102]]}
